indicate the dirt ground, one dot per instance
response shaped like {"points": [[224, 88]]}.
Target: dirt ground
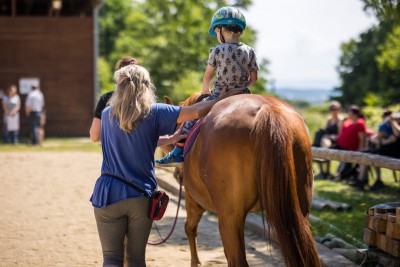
{"points": [[47, 219]]}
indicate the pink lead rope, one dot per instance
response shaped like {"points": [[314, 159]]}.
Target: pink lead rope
{"points": [[176, 218]]}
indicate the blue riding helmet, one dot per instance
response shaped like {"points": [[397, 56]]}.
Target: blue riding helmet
{"points": [[227, 16]]}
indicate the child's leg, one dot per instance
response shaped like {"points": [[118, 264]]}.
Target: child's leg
{"points": [[175, 157]]}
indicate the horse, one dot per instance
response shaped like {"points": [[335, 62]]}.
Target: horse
{"points": [[252, 153]]}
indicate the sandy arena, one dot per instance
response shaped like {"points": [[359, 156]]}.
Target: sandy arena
{"points": [[47, 219]]}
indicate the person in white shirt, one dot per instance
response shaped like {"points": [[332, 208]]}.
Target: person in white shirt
{"points": [[33, 107]]}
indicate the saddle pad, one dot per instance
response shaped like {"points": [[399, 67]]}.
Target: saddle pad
{"points": [[191, 136]]}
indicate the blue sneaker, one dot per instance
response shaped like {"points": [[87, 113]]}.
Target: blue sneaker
{"points": [[173, 159]]}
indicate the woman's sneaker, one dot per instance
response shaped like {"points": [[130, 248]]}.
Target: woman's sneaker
{"points": [[170, 160]]}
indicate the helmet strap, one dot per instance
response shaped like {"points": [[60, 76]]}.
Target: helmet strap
{"points": [[220, 33]]}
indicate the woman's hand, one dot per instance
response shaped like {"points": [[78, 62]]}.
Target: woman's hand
{"points": [[172, 139], [224, 93], [177, 135]]}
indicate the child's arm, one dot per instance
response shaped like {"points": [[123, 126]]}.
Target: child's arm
{"points": [[252, 79], [208, 75]]}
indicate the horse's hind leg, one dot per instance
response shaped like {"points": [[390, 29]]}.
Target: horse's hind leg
{"points": [[194, 213], [231, 228]]}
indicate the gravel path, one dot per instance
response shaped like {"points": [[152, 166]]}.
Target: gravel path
{"points": [[47, 219]]}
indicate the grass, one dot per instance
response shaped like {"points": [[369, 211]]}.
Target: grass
{"points": [[54, 144], [349, 225]]}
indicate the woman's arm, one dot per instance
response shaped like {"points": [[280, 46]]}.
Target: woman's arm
{"points": [[95, 130], [202, 108], [4, 105], [15, 109], [390, 140]]}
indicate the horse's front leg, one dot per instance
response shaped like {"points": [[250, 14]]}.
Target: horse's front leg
{"points": [[194, 213]]}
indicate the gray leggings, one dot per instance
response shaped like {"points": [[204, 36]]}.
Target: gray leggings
{"points": [[125, 218]]}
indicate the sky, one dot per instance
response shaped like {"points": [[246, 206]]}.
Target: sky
{"points": [[302, 38]]}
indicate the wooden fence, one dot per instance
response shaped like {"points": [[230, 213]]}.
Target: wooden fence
{"points": [[356, 157]]}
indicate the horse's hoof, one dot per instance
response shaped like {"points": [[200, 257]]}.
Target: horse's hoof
{"points": [[195, 264]]}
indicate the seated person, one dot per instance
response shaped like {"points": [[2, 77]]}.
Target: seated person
{"points": [[351, 137], [386, 143], [326, 137]]}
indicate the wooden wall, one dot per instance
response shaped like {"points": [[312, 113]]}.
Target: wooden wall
{"points": [[58, 51]]}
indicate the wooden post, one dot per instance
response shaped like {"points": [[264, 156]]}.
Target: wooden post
{"points": [[356, 157], [13, 8]]}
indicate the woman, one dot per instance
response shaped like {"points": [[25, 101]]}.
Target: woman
{"points": [[11, 106], [130, 129], [326, 137]]}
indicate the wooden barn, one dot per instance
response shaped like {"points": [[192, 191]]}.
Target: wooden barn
{"points": [[53, 43]]}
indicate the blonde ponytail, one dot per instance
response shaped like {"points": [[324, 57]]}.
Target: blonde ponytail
{"points": [[132, 99]]}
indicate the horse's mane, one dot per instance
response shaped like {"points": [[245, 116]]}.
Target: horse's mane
{"points": [[190, 100]]}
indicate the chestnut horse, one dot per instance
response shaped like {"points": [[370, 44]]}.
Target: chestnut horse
{"points": [[252, 154]]}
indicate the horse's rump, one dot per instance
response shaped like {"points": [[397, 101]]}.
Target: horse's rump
{"points": [[253, 152], [223, 161]]}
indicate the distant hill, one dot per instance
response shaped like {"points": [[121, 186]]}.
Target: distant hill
{"points": [[313, 96]]}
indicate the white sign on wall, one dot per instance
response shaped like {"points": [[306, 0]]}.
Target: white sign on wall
{"points": [[25, 84]]}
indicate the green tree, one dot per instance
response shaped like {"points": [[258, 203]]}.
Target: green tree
{"points": [[369, 65], [112, 16], [389, 63], [170, 38], [105, 76], [384, 10], [358, 69]]}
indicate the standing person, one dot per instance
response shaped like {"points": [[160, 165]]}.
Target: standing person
{"points": [[130, 129], [233, 62], [34, 104], [103, 101], [11, 106]]}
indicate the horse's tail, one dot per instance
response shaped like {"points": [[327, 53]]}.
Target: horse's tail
{"points": [[273, 137]]}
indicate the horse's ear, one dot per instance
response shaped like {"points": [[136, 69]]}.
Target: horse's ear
{"points": [[168, 100]]}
